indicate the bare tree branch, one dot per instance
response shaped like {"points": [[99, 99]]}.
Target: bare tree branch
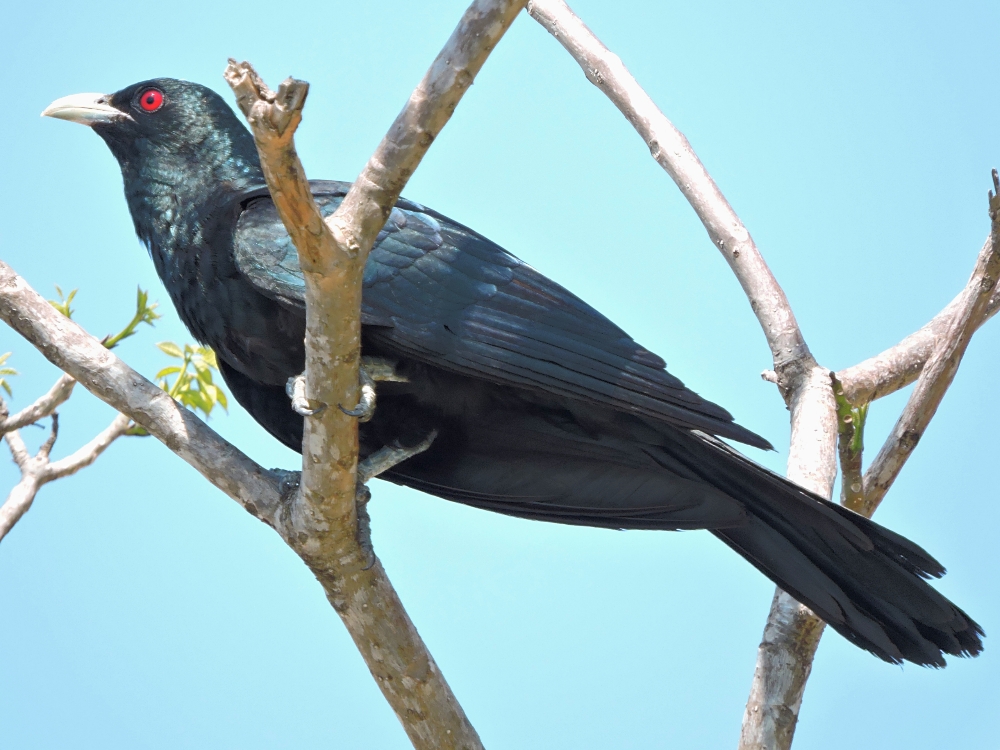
{"points": [[19, 499], [939, 372], [792, 631], [332, 255], [673, 152], [900, 365], [18, 450], [37, 470], [85, 359], [784, 663], [46, 448], [87, 454], [43, 406]]}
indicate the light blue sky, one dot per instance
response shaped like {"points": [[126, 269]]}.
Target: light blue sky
{"points": [[142, 609]]}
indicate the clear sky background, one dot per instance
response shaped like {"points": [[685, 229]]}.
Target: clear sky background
{"points": [[143, 609]]}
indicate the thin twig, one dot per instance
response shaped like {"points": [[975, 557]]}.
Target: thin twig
{"points": [[42, 407], [18, 450], [674, 153], [939, 372], [18, 501], [87, 454], [45, 449], [37, 470], [900, 365]]}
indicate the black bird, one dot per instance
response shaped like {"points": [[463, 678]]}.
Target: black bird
{"points": [[543, 408]]}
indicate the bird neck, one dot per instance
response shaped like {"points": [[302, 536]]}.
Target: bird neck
{"points": [[172, 188]]}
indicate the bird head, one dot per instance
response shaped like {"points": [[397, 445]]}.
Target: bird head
{"points": [[167, 128]]}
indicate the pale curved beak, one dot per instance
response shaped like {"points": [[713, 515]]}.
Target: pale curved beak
{"points": [[86, 109]]}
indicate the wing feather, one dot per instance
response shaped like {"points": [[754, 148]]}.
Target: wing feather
{"points": [[443, 294]]}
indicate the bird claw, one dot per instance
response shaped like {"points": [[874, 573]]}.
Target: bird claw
{"points": [[370, 371], [296, 390], [388, 456], [365, 409]]}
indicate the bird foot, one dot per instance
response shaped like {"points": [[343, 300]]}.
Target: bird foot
{"points": [[370, 371], [296, 390], [365, 409], [388, 456], [378, 462]]}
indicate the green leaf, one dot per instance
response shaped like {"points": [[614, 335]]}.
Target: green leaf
{"points": [[5, 372], [194, 385], [170, 349], [167, 371], [196, 400], [144, 313], [63, 305]]}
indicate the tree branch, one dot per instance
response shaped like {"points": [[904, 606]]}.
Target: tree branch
{"points": [[673, 152], [940, 370], [792, 631], [85, 359], [850, 447], [43, 406], [87, 454], [37, 470], [332, 254], [19, 499], [18, 450], [900, 365]]}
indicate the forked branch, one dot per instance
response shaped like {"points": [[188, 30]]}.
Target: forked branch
{"points": [[43, 406], [939, 372], [792, 632], [325, 512], [900, 365], [38, 470]]}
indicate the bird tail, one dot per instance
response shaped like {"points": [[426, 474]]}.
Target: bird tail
{"points": [[867, 582]]}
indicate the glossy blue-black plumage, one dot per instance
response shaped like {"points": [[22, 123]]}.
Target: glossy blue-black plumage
{"points": [[544, 408], [445, 295]]}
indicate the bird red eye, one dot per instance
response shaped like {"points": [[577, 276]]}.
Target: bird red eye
{"points": [[151, 100]]}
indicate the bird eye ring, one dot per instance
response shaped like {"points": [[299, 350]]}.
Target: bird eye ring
{"points": [[151, 100]]}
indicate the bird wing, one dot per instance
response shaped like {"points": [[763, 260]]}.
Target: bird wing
{"points": [[445, 295]]}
